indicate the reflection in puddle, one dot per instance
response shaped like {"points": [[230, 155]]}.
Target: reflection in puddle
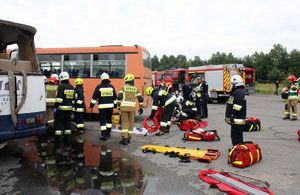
{"points": [[79, 165]]}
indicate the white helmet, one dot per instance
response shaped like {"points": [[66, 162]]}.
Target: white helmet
{"points": [[104, 76], [55, 76], [237, 80], [45, 79], [179, 99], [64, 76]]}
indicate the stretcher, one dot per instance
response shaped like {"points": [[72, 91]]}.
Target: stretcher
{"points": [[185, 154], [230, 184]]}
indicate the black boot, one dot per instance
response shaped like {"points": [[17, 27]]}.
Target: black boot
{"points": [[103, 136], [108, 132], [124, 141]]}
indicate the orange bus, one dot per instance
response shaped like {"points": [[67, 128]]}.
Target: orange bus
{"points": [[90, 62]]}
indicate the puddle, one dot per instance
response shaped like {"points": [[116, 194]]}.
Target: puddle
{"points": [[83, 166]]}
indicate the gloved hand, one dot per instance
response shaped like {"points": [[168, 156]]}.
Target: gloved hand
{"points": [[231, 120], [140, 111], [54, 110], [115, 105]]}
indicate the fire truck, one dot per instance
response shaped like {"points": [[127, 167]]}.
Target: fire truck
{"points": [[173, 78], [158, 77], [250, 80], [218, 78]]}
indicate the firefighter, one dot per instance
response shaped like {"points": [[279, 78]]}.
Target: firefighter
{"points": [[162, 98], [105, 95], [204, 95], [126, 101], [51, 91], [198, 94], [186, 89], [188, 109], [236, 109], [79, 105], [292, 99], [63, 106], [56, 77]]}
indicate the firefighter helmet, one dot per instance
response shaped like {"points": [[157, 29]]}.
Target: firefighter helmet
{"points": [[64, 76], [129, 77], [78, 81], [52, 80], [55, 76], [149, 91], [292, 78], [104, 76], [237, 80]]}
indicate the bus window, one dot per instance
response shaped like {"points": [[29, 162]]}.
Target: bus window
{"points": [[77, 65], [146, 60], [50, 64], [113, 64]]}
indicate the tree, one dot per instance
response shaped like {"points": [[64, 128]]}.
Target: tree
{"points": [[181, 61], [294, 63], [279, 57], [155, 62], [196, 62], [275, 74], [262, 64], [164, 62]]}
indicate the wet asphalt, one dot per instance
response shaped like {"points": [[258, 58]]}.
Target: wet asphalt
{"points": [[85, 165]]}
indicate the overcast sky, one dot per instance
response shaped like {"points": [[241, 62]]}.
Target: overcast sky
{"points": [[188, 27]]}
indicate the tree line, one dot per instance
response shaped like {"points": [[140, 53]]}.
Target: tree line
{"points": [[275, 65]]}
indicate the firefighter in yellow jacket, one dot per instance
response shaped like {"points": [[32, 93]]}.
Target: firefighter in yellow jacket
{"points": [[51, 91], [126, 101], [292, 100]]}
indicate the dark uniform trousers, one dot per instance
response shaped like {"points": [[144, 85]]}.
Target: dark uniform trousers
{"points": [[237, 134], [165, 121], [79, 119], [203, 104], [62, 120], [105, 119]]}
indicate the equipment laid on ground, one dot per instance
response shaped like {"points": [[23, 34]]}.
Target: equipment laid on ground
{"points": [[298, 134], [192, 124], [252, 124], [244, 154], [156, 120], [234, 185], [185, 154], [200, 135]]}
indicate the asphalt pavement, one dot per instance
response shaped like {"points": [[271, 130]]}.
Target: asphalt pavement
{"points": [[20, 167]]}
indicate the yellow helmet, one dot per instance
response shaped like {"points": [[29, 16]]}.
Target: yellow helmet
{"points": [[78, 81], [149, 91], [129, 77]]}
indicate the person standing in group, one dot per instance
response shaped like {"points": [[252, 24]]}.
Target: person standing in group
{"points": [[126, 101], [162, 98], [186, 89], [292, 99], [276, 87], [204, 96], [79, 105], [236, 109], [51, 92], [63, 106], [105, 95]]}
